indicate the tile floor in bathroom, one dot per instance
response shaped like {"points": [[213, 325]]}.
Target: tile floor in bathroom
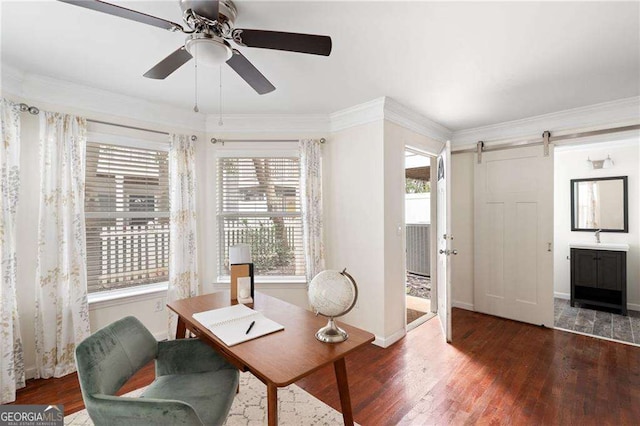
{"points": [[604, 323]]}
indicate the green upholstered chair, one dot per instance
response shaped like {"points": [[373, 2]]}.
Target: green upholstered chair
{"points": [[194, 384]]}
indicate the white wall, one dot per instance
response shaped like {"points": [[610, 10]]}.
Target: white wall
{"points": [[571, 163], [353, 178], [462, 193]]}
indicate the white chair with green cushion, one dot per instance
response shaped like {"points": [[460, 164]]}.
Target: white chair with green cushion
{"points": [[194, 384]]}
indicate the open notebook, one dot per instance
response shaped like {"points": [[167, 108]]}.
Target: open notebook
{"points": [[230, 324]]}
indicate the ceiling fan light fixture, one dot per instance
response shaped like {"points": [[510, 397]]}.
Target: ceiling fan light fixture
{"points": [[209, 50]]}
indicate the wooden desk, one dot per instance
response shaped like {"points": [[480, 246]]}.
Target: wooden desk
{"points": [[281, 358]]}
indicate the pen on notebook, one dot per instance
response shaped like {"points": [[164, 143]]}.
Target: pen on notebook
{"points": [[250, 327]]}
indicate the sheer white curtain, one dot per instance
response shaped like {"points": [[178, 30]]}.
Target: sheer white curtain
{"points": [[183, 254], [311, 197], [62, 313], [11, 356]]}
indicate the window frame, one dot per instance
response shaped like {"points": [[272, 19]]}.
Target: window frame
{"points": [[140, 140], [273, 150]]}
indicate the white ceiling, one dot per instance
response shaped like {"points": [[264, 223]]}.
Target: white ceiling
{"points": [[461, 64]]}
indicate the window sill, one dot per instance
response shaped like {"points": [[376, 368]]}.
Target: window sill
{"points": [[123, 296], [267, 282]]}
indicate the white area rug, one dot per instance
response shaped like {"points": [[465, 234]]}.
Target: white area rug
{"points": [[295, 407]]}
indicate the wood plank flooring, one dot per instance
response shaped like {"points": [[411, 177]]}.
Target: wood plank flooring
{"points": [[496, 372]]}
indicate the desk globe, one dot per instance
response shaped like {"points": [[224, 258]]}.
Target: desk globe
{"points": [[332, 294]]}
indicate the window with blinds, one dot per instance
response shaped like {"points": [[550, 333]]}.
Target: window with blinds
{"points": [[127, 216], [259, 205]]}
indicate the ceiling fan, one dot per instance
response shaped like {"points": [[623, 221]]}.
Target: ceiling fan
{"points": [[210, 28]]}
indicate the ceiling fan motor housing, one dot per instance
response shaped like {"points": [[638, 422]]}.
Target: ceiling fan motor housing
{"points": [[224, 12]]}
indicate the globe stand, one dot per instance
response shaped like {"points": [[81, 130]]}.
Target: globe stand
{"points": [[331, 333], [321, 288]]}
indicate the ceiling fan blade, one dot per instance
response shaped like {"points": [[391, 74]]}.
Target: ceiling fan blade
{"points": [[169, 64], [123, 12], [249, 73], [292, 42]]}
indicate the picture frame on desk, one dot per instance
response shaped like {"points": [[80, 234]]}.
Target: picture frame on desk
{"points": [[239, 273]]}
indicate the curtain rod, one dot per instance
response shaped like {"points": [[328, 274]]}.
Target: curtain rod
{"points": [[536, 142], [223, 141], [35, 111], [128, 127]]}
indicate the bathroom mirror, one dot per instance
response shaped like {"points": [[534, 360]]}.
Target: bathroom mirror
{"points": [[600, 203]]}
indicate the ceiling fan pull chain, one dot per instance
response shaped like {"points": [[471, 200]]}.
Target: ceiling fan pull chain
{"points": [[220, 123], [195, 108]]}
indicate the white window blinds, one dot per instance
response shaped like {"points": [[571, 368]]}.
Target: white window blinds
{"points": [[259, 205], [127, 216]]}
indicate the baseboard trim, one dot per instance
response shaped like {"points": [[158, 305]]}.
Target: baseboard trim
{"points": [[30, 373], [160, 336], [462, 305], [385, 342], [633, 306], [567, 296]]}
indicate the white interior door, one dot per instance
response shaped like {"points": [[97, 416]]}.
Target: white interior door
{"points": [[513, 212], [443, 233]]}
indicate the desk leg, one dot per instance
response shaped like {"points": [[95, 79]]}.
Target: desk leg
{"points": [[343, 388], [272, 404], [181, 331]]}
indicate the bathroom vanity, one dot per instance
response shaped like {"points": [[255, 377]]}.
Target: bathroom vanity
{"points": [[599, 274]]}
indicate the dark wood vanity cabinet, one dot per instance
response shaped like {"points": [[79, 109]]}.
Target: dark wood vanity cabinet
{"points": [[599, 277]]}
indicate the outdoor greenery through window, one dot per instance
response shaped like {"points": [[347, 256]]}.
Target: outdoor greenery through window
{"points": [[127, 216], [259, 205]]}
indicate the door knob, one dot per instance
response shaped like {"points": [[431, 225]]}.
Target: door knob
{"points": [[454, 251]]}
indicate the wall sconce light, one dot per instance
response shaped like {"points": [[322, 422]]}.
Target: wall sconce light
{"points": [[607, 163]]}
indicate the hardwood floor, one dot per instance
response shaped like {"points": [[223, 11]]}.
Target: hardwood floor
{"points": [[496, 371], [66, 390]]}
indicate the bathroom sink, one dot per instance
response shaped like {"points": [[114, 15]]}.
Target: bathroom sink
{"points": [[600, 246]]}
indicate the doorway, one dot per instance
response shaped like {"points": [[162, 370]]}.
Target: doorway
{"points": [[418, 231], [581, 166]]}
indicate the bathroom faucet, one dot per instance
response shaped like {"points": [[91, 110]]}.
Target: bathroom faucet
{"points": [[598, 235]]}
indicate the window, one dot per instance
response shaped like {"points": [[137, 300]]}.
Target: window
{"points": [[127, 216], [259, 205]]}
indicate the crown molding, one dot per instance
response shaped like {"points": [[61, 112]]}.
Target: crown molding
{"points": [[386, 108], [405, 117], [268, 123], [357, 115], [11, 81], [619, 112], [47, 92]]}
